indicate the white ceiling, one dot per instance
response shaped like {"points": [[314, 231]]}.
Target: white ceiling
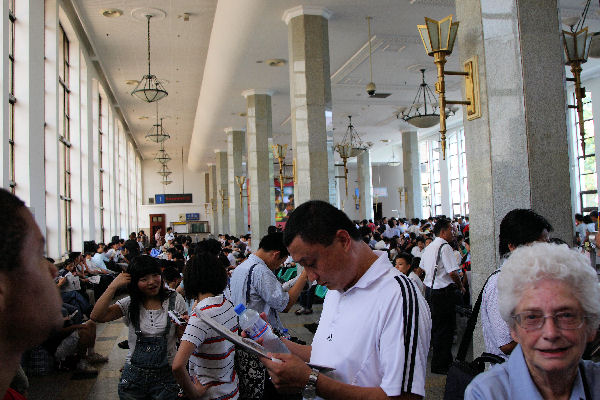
{"points": [[209, 60]]}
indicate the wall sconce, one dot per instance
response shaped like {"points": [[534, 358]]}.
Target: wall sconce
{"points": [[577, 47], [344, 152], [241, 180], [402, 192], [207, 208], [279, 152], [438, 38], [223, 200]]}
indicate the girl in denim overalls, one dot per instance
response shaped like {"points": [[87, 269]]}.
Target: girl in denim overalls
{"points": [[152, 336]]}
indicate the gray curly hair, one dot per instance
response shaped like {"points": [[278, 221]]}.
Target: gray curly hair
{"points": [[528, 265]]}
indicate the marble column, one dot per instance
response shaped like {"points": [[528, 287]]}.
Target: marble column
{"points": [[214, 200], [412, 175], [235, 148], [365, 185], [259, 161], [331, 172], [517, 152], [223, 197], [310, 97]]}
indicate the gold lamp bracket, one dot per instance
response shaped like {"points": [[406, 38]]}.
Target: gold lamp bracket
{"points": [[472, 89]]}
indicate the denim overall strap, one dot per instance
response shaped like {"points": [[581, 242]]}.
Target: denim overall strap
{"points": [[248, 284]]}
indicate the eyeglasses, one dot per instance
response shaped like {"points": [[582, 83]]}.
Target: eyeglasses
{"points": [[534, 320]]}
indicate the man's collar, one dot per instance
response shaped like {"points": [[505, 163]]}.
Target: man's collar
{"points": [[379, 267]]}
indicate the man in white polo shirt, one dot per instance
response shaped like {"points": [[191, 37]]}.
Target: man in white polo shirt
{"points": [[375, 326], [443, 282]]}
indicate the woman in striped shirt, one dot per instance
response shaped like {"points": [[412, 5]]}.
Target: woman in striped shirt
{"points": [[210, 358]]}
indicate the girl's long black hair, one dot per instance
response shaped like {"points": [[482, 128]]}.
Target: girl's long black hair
{"points": [[140, 267]]}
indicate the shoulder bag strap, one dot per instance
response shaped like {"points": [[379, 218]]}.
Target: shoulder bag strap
{"points": [[586, 388], [248, 283], [468, 335], [171, 307], [437, 262]]}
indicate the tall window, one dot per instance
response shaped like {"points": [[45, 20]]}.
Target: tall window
{"points": [[11, 95], [425, 170], [100, 167], [65, 136], [431, 186], [586, 163], [457, 163], [436, 178]]}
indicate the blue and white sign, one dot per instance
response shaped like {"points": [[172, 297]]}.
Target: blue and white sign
{"points": [[192, 217], [159, 199]]}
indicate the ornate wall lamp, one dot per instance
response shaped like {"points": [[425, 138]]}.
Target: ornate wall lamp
{"points": [[438, 38], [223, 200], [207, 208], [241, 181], [279, 152], [577, 47], [344, 150]]}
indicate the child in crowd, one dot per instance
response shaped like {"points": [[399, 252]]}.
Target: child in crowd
{"points": [[208, 356]]}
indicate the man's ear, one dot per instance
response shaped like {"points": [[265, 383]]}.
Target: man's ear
{"points": [[344, 237], [514, 336]]}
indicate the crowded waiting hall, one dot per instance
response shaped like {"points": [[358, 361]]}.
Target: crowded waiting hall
{"points": [[286, 200]]}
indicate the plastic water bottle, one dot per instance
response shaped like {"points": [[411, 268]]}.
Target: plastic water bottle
{"points": [[256, 328]]}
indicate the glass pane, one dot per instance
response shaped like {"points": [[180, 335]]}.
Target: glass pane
{"points": [[589, 200], [456, 209]]}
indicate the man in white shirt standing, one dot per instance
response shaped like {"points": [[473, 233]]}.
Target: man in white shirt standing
{"points": [[169, 237], [375, 325], [442, 279]]}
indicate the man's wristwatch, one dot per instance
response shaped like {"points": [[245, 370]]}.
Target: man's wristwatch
{"points": [[310, 390]]}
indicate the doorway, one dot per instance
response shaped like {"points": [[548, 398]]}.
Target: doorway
{"points": [[378, 211]]}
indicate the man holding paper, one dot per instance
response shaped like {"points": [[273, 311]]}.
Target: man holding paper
{"points": [[375, 325]]}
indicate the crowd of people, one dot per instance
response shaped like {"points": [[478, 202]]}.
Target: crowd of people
{"points": [[394, 288]]}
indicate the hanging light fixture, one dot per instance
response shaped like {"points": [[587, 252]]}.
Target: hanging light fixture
{"points": [[157, 133], [393, 162], [353, 140], [150, 88], [166, 181], [162, 156], [164, 171], [422, 115]]}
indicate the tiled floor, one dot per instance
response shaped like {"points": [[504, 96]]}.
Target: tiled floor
{"points": [[58, 386]]}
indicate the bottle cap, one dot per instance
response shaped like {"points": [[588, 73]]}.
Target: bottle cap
{"points": [[285, 330], [239, 309]]}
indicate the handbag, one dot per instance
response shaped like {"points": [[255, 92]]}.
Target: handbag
{"points": [[462, 372]]}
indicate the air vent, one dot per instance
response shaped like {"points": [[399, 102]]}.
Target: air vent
{"points": [[150, 200]]}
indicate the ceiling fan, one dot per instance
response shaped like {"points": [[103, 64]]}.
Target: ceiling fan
{"points": [[371, 88]]}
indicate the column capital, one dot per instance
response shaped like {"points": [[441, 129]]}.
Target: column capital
{"points": [[217, 151], [305, 10], [232, 129], [252, 92]]}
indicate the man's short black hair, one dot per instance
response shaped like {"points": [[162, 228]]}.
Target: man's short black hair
{"points": [[204, 273], [578, 217], [274, 242], [317, 221], [442, 223], [12, 214], [519, 227], [420, 239]]}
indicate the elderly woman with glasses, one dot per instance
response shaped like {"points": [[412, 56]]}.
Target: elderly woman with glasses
{"points": [[550, 297]]}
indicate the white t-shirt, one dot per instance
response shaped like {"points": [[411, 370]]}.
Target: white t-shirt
{"points": [[153, 323], [418, 281], [361, 332], [417, 252], [169, 236], [72, 284], [496, 332], [213, 358], [447, 264]]}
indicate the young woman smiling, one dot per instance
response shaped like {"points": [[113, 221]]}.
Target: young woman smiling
{"points": [[152, 335]]}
